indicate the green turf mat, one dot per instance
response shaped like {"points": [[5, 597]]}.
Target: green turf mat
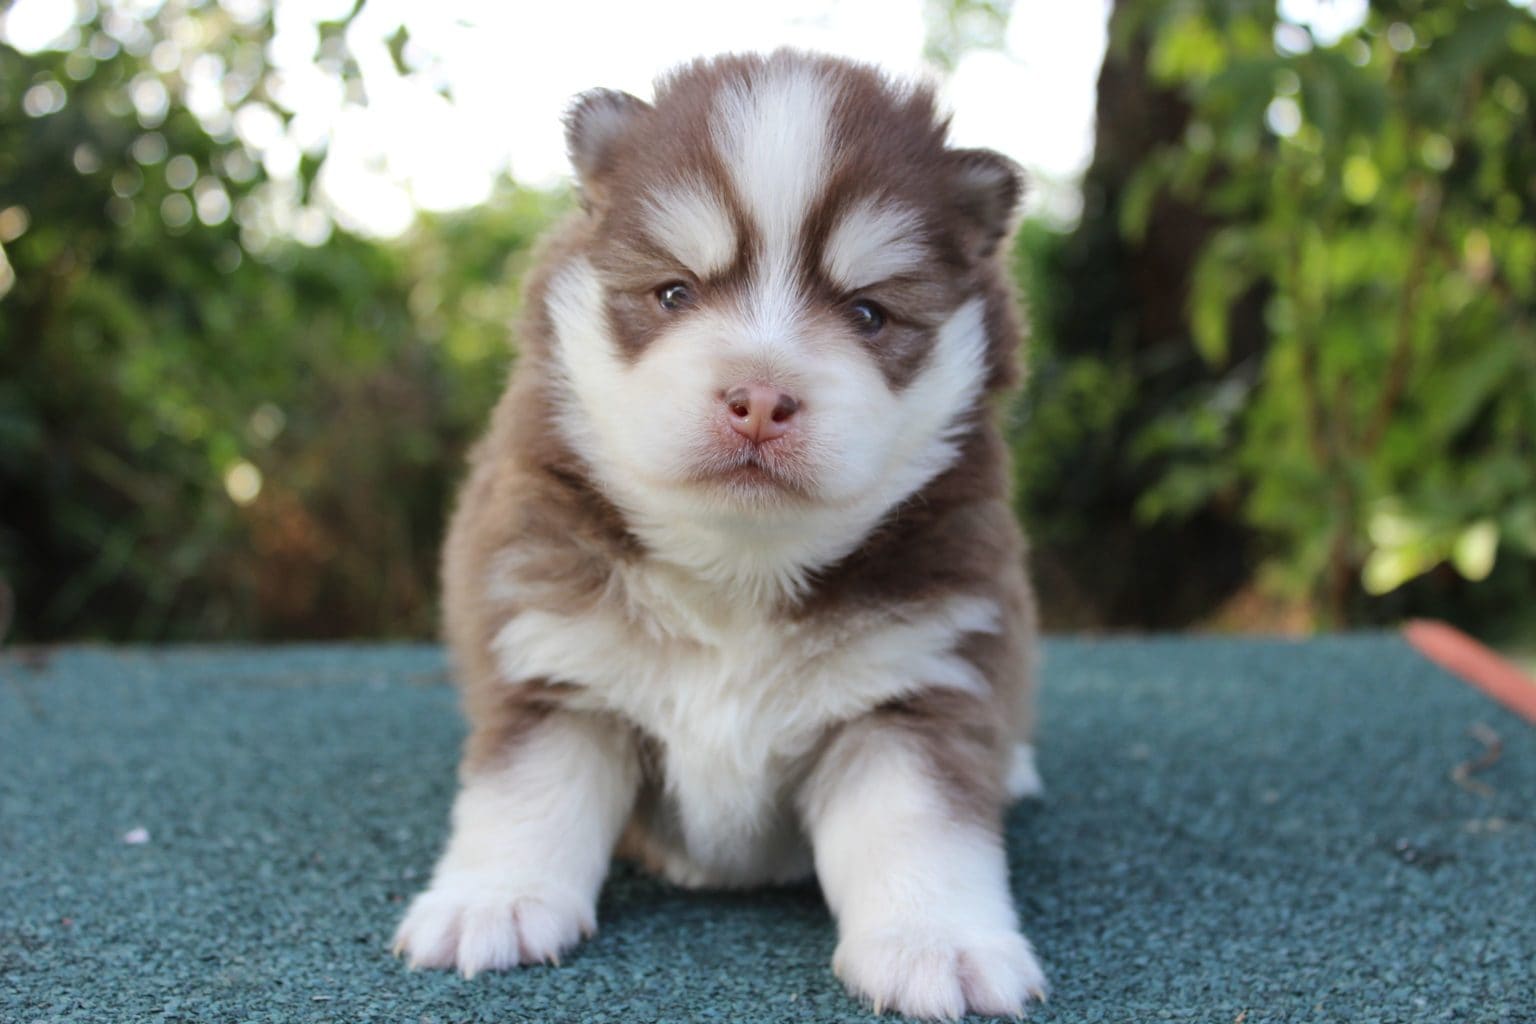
{"points": [[1234, 830]]}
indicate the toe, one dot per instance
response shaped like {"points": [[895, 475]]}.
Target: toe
{"points": [[487, 940]]}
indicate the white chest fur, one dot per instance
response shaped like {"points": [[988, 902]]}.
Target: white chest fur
{"points": [[735, 698]]}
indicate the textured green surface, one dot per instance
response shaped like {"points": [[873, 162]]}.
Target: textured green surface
{"points": [[1232, 827]]}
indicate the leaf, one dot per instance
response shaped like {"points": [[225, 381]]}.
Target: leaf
{"points": [[1183, 490], [1386, 569], [1139, 197], [397, 43], [1464, 388], [1475, 550], [1188, 49], [1224, 272]]}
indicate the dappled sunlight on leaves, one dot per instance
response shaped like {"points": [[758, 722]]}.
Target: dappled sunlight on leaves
{"points": [[218, 418], [1360, 182]]}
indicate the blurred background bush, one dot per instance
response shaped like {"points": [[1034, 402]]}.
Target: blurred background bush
{"points": [[1284, 354]]}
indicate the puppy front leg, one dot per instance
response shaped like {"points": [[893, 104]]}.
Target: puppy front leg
{"points": [[533, 835], [918, 880]]}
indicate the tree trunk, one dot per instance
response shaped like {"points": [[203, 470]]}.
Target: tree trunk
{"points": [[1125, 303]]}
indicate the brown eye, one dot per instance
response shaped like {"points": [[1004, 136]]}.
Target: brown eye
{"points": [[674, 297], [866, 317]]}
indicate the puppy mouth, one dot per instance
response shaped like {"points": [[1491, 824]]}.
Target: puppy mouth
{"points": [[762, 469]]}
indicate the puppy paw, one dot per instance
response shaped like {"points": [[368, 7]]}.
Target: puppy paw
{"points": [[921, 974], [472, 923]]}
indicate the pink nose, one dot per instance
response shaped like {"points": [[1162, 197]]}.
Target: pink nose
{"points": [[759, 413]]}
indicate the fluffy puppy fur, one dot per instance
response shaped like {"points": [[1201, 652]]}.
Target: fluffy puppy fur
{"points": [[734, 587]]}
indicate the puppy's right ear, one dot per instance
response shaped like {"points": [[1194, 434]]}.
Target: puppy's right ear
{"points": [[986, 191], [594, 126]]}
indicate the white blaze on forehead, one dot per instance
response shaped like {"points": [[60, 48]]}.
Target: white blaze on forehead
{"points": [[693, 225], [873, 241], [773, 137]]}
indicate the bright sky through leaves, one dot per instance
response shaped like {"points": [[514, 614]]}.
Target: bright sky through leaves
{"points": [[511, 69]]}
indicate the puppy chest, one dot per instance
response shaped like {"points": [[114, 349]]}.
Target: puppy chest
{"points": [[736, 710], [730, 720], [719, 807]]}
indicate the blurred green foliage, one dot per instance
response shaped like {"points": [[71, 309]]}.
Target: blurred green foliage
{"points": [[1392, 210], [1287, 359], [1366, 207], [204, 431]]}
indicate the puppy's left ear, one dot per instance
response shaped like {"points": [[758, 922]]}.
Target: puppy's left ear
{"points": [[596, 123], [986, 188]]}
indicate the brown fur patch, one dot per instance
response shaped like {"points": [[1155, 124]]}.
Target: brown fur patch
{"points": [[962, 744], [965, 747], [527, 489]]}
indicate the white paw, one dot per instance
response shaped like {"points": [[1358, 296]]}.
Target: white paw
{"points": [[473, 923], [936, 975]]}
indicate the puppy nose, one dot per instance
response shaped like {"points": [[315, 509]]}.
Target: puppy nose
{"points": [[758, 412]]}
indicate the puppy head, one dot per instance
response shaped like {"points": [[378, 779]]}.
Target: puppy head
{"points": [[787, 295]]}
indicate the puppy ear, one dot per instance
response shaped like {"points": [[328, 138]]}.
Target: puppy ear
{"points": [[595, 123], [987, 188]]}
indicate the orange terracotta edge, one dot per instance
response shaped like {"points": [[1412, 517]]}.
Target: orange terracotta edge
{"points": [[1463, 656]]}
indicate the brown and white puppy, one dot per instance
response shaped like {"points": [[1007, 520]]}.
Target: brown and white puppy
{"points": [[734, 587]]}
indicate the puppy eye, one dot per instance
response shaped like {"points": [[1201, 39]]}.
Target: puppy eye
{"points": [[867, 318], [674, 297]]}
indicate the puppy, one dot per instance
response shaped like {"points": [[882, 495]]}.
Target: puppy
{"points": [[734, 587]]}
